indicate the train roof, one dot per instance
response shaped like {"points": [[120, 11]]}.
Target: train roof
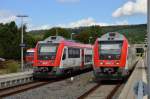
{"points": [[112, 36], [74, 44], [30, 50], [60, 39]]}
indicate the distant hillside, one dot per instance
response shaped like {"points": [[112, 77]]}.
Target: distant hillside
{"points": [[134, 33]]}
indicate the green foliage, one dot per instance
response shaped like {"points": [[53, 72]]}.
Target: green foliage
{"points": [[54, 31], [29, 41], [12, 66], [10, 38], [89, 34], [134, 33]]}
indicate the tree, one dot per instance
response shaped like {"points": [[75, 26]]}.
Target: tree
{"points": [[57, 31], [89, 34], [10, 38]]}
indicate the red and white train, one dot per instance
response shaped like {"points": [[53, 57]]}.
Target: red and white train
{"points": [[56, 56], [113, 57], [29, 56]]}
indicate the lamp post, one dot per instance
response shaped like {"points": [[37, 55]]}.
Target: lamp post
{"points": [[90, 39], [22, 44], [56, 31], [72, 36]]}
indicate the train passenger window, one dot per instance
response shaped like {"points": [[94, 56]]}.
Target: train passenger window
{"points": [[73, 53], [64, 55]]}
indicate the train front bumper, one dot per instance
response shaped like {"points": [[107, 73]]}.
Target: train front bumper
{"points": [[121, 73]]}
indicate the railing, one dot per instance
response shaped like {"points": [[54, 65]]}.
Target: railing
{"points": [[13, 79]]}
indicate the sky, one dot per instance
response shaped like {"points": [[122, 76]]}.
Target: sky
{"points": [[45, 14]]}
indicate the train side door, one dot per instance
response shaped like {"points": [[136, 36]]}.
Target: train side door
{"points": [[82, 58], [66, 60]]}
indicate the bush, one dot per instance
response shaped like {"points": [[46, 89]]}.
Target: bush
{"points": [[12, 66]]}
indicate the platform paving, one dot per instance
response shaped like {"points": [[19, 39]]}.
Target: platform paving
{"points": [[139, 74]]}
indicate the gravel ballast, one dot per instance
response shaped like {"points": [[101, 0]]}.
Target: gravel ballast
{"points": [[70, 88]]}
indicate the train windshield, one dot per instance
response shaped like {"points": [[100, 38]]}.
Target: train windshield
{"points": [[47, 51], [110, 49]]}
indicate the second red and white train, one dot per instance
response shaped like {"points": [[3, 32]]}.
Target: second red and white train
{"points": [[113, 57]]}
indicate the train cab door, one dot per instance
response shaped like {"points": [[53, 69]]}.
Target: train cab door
{"points": [[82, 58], [64, 58]]}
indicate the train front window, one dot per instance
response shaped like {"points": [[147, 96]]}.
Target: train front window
{"points": [[47, 51], [110, 50]]}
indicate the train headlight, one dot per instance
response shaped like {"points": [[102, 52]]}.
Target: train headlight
{"points": [[44, 63], [101, 63], [117, 63]]}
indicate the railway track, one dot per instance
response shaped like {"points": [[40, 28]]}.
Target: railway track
{"points": [[110, 88], [21, 88], [101, 91], [90, 94], [24, 87]]}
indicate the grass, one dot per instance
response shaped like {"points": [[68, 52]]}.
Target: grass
{"points": [[3, 71], [10, 66]]}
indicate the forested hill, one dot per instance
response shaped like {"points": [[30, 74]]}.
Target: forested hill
{"points": [[134, 33], [10, 36]]}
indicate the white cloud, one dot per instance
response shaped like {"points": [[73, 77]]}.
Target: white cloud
{"points": [[68, 1], [124, 22], [131, 7], [42, 27], [7, 16], [83, 22]]}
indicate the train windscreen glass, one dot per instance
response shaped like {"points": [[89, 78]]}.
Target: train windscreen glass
{"points": [[110, 50], [47, 51]]}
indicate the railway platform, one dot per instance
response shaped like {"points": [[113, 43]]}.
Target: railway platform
{"points": [[131, 90]]}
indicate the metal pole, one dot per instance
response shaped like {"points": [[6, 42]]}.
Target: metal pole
{"points": [[71, 35], [22, 62], [90, 39], [56, 31], [148, 50]]}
